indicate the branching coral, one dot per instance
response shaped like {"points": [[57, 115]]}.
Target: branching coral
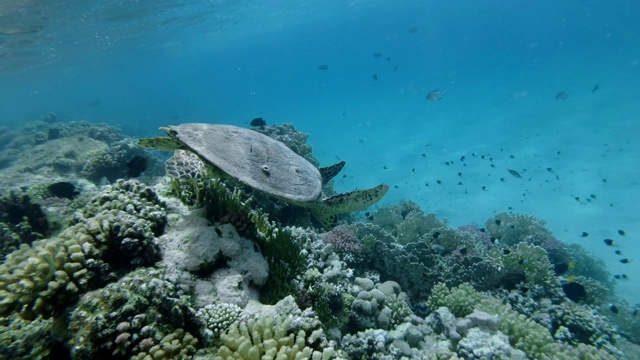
{"points": [[461, 300], [273, 337], [217, 318]]}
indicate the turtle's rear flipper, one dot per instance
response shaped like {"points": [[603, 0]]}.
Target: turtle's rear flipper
{"points": [[185, 165], [326, 211], [330, 172]]}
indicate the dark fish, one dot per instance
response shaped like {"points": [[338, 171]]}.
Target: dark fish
{"points": [[613, 308], [376, 55], [258, 122], [137, 165], [596, 87], [618, 252], [634, 312], [584, 234], [562, 96], [506, 251], [498, 222], [463, 251], [514, 173], [622, 233], [63, 189], [218, 231], [413, 29], [323, 67], [625, 261], [94, 103], [609, 242], [375, 77], [574, 291], [434, 95], [617, 276], [561, 268], [624, 276]]}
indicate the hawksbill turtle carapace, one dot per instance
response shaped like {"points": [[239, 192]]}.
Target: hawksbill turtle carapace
{"points": [[260, 162]]}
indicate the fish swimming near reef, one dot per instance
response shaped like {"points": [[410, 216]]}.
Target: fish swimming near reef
{"points": [[258, 122], [435, 95], [514, 173], [562, 96], [63, 189], [137, 165]]}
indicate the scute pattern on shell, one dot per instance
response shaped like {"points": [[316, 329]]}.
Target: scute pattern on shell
{"points": [[254, 159]]}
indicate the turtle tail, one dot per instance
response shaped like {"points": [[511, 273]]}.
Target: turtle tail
{"points": [[327, 211]]}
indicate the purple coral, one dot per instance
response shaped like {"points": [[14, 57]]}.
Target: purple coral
{"points": [[344, 240]]}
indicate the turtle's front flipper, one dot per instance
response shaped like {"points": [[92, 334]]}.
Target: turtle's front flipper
{"points": [[160, 143], [327, 210], [185, 165], [330, 172]]}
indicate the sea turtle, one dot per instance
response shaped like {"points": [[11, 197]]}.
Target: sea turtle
{"points": [[261, 162]]}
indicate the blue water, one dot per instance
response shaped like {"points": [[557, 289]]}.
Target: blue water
{"points": [[499, 66]]}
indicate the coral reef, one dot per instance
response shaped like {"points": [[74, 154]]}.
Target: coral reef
{"points": [[21, 222], [115, 231], [283, 332], [142, 313]]}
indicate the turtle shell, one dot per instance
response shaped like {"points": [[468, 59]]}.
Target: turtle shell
{"points": [[252, 158]]}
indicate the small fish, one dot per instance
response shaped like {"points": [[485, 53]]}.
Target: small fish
{"points": [[63, 189], [622, 233], [434, 95], [514, 173], [571, 278], [561, 268], [584, 234], [94, 103], [137, 165], [498, 222], [258, 122], [413, 29], [625, 261], [506, 251], [617, 276], [618, 252], [323, 67], [624, 276], [613, 308], [562, 96], [596, 87], [218, 231], [376, 55], [375, 77], [610, 242], [463, 251], [574, 291], [634, 312]]}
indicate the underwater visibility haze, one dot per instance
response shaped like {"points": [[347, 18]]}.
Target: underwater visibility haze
{"points": [[399, 180]]}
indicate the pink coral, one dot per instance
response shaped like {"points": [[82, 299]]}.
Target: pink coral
{"points": [[344, 240]]}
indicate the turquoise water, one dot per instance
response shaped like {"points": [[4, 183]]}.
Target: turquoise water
{"points": [[499, 66]]}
